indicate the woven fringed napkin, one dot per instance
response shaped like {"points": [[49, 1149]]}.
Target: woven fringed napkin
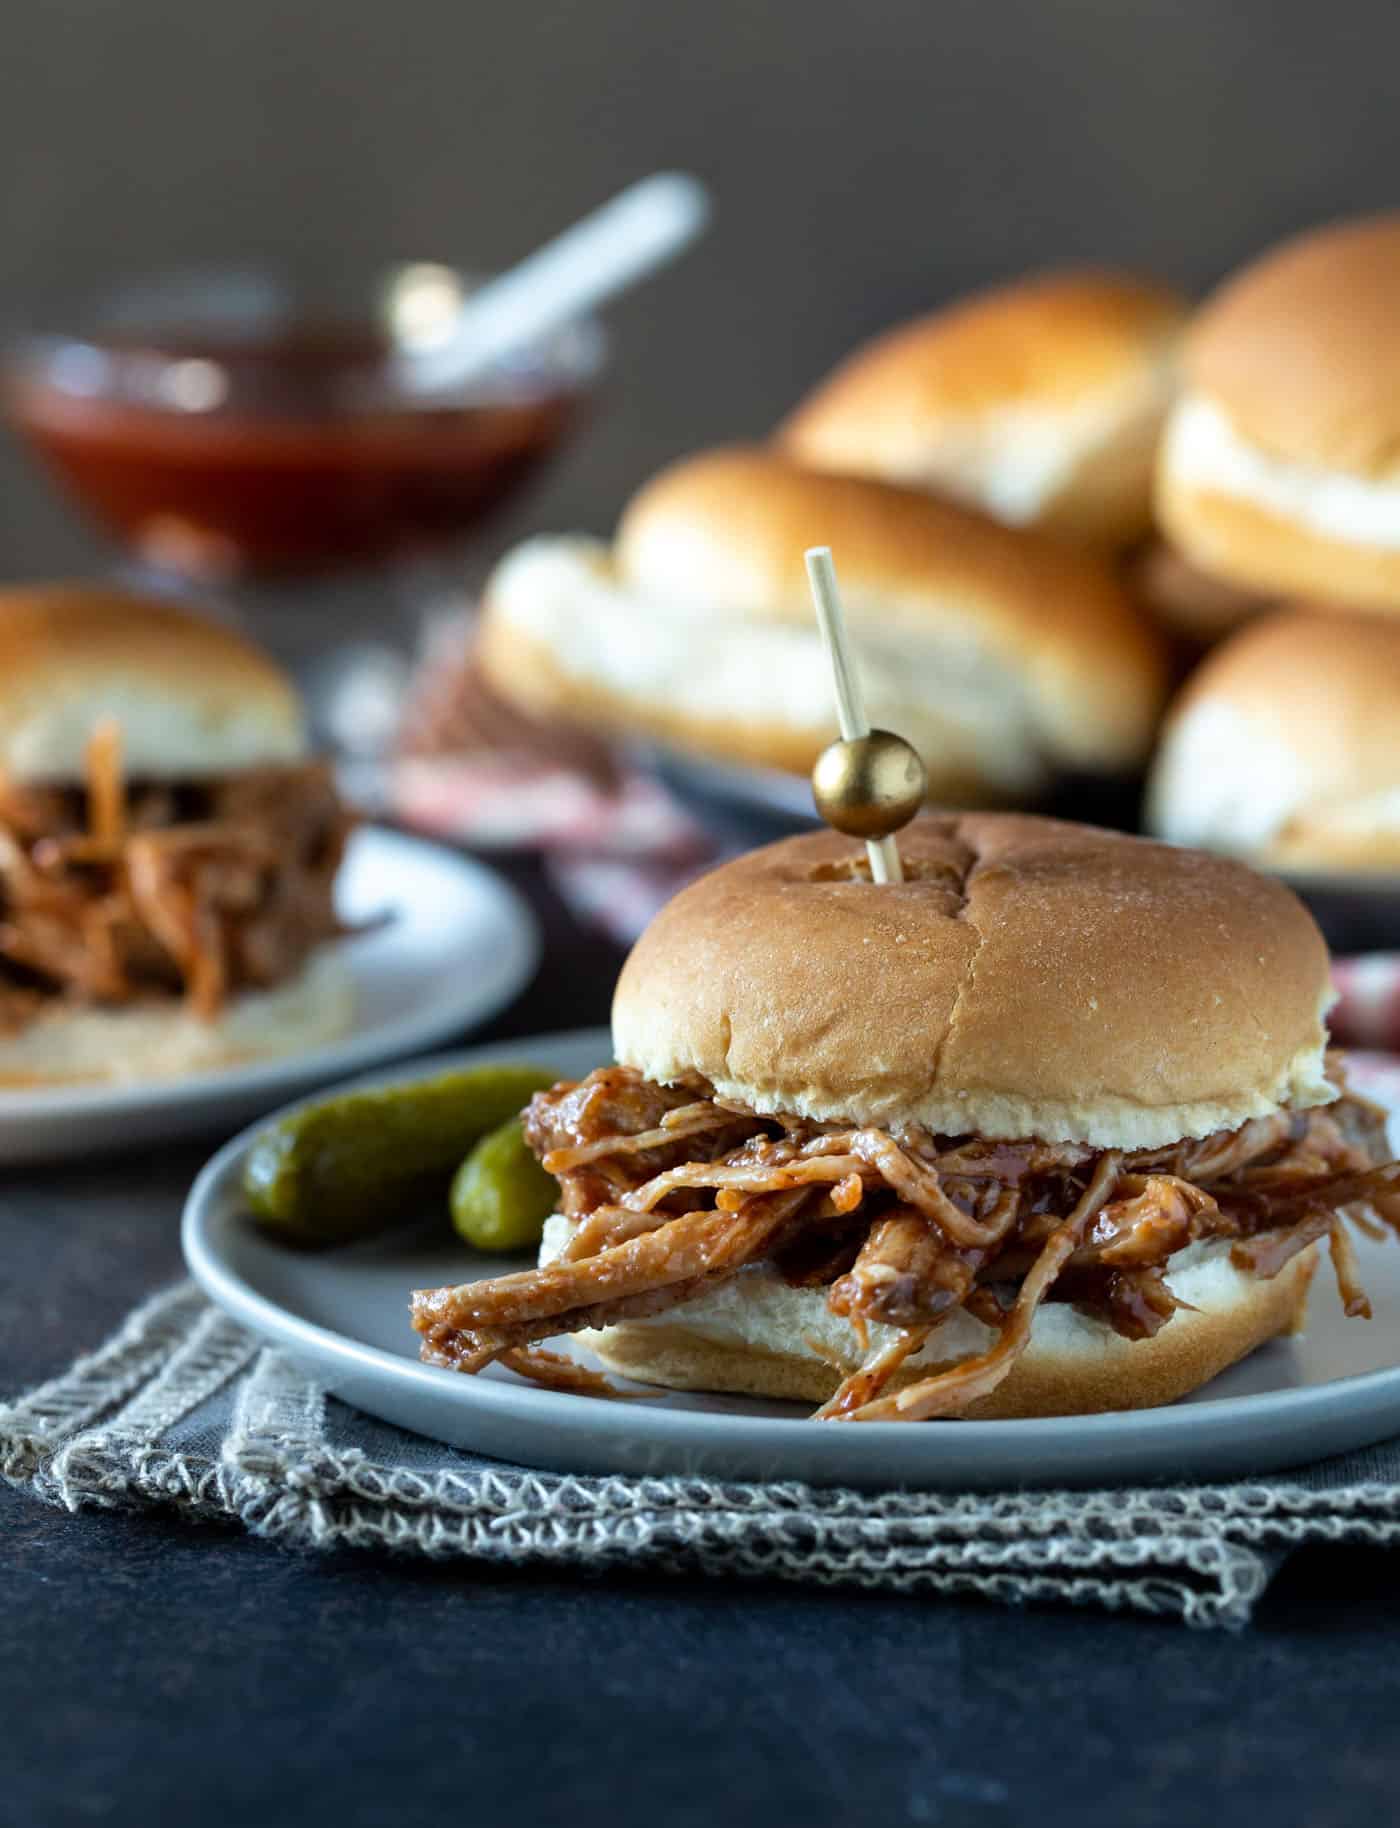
{"points": [[183, 1409]]}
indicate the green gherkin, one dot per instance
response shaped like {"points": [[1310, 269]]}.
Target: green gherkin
{"points": [[501, 1196], [361, 1162]]}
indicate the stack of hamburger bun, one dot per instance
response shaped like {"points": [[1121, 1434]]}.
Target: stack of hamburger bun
{"points": [[976, 474], [1279, 476], [1035, 496]]}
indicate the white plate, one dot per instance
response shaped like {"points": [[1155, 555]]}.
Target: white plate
{"points": [[457, 946], [343, 1315]]}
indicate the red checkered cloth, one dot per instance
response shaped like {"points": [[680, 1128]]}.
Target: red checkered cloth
{"points": [[480, 772], [1365, 1020], [615, 852], [1367, 1010]]}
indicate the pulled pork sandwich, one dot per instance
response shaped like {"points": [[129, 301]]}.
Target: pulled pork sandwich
{"points": [[1046, 1129], [168, 851]]}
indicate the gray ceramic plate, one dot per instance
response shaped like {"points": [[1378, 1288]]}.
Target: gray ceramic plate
{"points": [[343, 1316]]}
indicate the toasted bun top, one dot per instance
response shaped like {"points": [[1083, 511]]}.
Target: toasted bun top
{"points": [[727, 530], [1032, 399], [1031, 978], [1302, 348], [191, 697], [1295, 720]]}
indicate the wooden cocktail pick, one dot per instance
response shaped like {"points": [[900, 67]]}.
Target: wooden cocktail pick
{"points": [[870, 783]]}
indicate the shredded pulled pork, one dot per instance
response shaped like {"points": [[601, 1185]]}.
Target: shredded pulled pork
{"points": [[118, 891], [673, 1191]]}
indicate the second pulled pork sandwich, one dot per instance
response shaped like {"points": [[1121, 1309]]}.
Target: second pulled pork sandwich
{"points": [[1048, 1128], [168, 848]]}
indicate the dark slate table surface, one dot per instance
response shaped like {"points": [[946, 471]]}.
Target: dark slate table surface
{"points": [[153, 1672]]}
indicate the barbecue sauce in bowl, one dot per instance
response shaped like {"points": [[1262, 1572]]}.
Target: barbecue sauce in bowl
{"points": [[290, 448]]}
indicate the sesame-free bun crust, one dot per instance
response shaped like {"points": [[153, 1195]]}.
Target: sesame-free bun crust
{"points": [[158, 1039], [191, 697], [1030, 978], [1004, 656], [1301, 348], [757, 1336], [1284, 746], [1039, 401], [729, 528]]}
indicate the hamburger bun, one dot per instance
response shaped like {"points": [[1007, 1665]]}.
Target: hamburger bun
{"points": [[165, 1040], [1029, 979], [757, 1336], [1003, 656], [1039, 401], [192, 698], [1284, 747], [1280, 466]]}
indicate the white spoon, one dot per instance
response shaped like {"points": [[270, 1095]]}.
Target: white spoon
{"points": [[611, 248]]}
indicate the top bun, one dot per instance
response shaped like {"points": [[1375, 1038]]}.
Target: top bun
{"points": [[191, 697], [1039, 401], [1301, 349], [1030, 979], [958, 600], [1285, 746]]}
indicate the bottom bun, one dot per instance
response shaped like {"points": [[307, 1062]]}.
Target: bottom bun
{"points": [[756, 1336], [164, 1041]]}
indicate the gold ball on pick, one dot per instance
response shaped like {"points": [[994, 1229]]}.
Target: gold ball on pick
{"points": [[869, 786]]}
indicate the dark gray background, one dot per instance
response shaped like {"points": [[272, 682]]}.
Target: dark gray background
{"points": [[867, 159]]}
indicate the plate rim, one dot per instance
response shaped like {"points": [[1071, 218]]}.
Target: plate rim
{"points": [[351, 1054], [511, 1400]]}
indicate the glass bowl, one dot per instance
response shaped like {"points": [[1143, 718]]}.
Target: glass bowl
{"points": [[228, 425]]}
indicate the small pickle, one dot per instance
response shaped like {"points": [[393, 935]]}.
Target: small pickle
{"points": [[362, 1162], [501, 1196]]}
